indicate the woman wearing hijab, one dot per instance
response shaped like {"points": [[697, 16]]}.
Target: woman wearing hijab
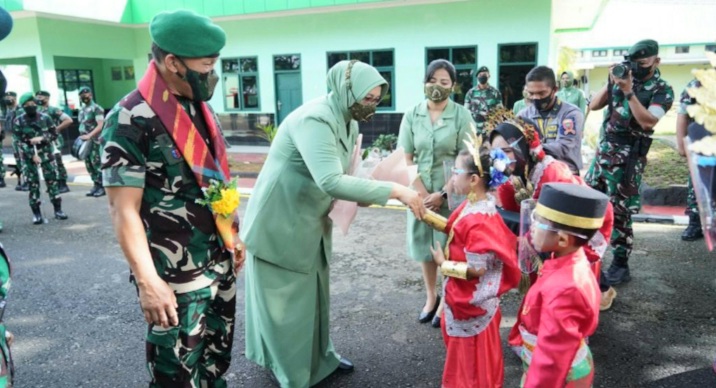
{"points": [[287, 230], [432, 133]]}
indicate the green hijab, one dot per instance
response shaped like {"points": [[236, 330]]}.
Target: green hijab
{"points": [[363, 79], [571, 78]]}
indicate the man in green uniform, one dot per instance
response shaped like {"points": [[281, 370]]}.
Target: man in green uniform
{"points": [[523, 103], [62, 121], [693, 231], [162, 146], [7, 370], [482, 99], [570, 93], [91, 118], [34, 132], [10, 111], [636, 99]]}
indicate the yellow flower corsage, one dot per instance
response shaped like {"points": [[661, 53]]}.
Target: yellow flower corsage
{"points": [[222, 198]]}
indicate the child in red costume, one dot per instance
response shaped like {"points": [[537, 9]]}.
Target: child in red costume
{"points": [[479, 265], [561, 309]]}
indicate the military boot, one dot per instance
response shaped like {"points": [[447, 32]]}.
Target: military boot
{"points": [[2, 182], [693, 231], [36, 214], [25, 186], [59, 214], [62, 186], [93, 190], [100, 191]]}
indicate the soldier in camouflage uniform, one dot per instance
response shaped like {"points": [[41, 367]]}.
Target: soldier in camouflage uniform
{"points": [[184, 271], [693, 231], [34, 132], [91, 118], [10, 111], [482, 99], [62, 121], [635, 104]]}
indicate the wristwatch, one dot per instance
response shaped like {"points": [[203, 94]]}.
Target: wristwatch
{"points": [[629, 95]]}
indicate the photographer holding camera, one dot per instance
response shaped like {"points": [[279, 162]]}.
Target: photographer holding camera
{"points": [[636, 98]]}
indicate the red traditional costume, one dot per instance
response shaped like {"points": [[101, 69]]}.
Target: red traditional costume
{"points": [[559, 311], [550, 170], [471, 319]]}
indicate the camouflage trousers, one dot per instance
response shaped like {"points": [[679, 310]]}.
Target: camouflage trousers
{"points": [[93, 163], [609, 179], [57, 152], [49, 172], [196, 353], [19, 159], [2, 165], [692, 207]]}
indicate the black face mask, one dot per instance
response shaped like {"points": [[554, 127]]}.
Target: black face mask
{"points": [[30, 111], [640, 72], [86, 100], [482, 80], [202, 84], [543, 104]]}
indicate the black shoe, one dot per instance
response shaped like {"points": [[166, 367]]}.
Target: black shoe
{"points": [[345, 366], [436, 322], [62, 186], [59, 214], [426, 317], [2, 182], [100, 192], [617, 275], [25, 186], [18, 187], [92, 191], [693, 231], [36, 215]]}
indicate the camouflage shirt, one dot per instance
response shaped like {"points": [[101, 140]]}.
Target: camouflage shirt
{"points": [[139, 152], [54, 112], [480, 102], [25, 128], [89, 115], [655, 94], [685, 100]]}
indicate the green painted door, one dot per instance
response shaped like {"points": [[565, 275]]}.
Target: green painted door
{"points": [[288, 94]]}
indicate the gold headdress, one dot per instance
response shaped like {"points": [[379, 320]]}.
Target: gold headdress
{"points": [[474, 142], [504, 115], [704, 111]]}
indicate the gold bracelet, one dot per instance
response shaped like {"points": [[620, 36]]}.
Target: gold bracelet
{"points": [[435, 220], [454, 269]]}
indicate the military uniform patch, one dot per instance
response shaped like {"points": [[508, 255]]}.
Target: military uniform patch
{"points": [[568, 127]]}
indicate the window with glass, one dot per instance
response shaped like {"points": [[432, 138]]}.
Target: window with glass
{"points": [[710, 47], [241, 83], [515, 61], [682, 49], [69, 83], [382, 60], [621, 52], [465, 61], [599, 53]]}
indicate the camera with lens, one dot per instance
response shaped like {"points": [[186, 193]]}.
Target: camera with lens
{"points": [[622, 70]]}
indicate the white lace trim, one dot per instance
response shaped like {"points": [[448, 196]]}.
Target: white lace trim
{"points": [[540, 169], [599, 244], [485, 297], [486, 206]]}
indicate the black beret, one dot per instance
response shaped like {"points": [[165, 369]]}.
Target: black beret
{"points": [[644, 49]]}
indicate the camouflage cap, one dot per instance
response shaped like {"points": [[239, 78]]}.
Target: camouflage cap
{"points": [[29, 96], [644, 49], [187, 34]]}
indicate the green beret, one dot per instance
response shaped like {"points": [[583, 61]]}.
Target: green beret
{"points": [[29, 96], [644, 49], [187, 34]]}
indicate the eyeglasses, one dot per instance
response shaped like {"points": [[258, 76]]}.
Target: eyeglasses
{"points": [[370, 100], [540, 225], [458, 171]]}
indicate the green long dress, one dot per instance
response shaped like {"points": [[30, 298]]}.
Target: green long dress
{"points": [[287, 231], [431, 145]]}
